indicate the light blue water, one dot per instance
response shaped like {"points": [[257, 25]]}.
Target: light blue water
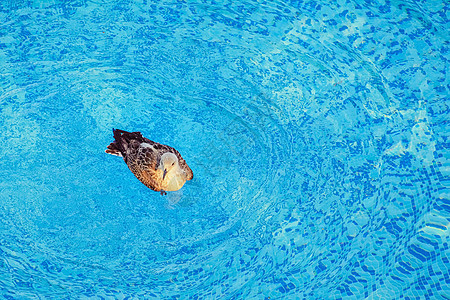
{"points": [[317, 132]]}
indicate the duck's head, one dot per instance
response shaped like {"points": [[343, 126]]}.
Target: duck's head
{"points": [[168, 162]]}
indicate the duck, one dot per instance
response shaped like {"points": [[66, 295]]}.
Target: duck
{"points": [[159, 167]]}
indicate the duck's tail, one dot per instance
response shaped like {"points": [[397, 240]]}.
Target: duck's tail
{"points": [[116, 147], [121, 140]]}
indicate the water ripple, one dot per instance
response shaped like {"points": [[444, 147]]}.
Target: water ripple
{"points": [[314, 131]]}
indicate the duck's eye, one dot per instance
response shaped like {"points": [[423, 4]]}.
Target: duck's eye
{"points": [[173, 164]]}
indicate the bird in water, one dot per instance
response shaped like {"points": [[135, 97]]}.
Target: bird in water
{"points": [[160, 167]]}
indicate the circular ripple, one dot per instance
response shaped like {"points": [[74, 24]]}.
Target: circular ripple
{"points": [[314, 152]]}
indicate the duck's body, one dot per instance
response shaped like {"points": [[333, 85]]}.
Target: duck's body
{"points": [[159, 167]]}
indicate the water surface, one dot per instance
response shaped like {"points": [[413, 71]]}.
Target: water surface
{"points": [[316, 132]]}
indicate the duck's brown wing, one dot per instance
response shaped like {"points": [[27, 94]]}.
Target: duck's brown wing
{"points": [[146, 174], [186, 168]]}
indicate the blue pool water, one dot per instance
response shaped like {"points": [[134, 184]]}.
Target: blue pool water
{"points": [[317, 132]]}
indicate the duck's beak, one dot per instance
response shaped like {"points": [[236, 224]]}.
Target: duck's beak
{"points": [[164, 173]]}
